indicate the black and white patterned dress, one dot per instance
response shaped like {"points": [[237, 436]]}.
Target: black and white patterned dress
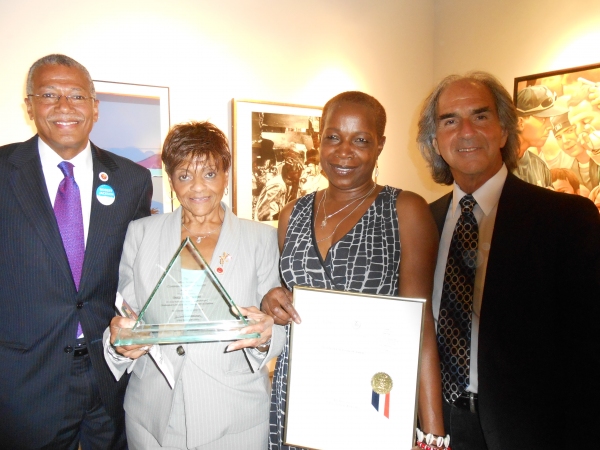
{"points": [[366, 260]]}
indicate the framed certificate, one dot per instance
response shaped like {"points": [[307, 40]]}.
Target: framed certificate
{"points": [[353, 370]]}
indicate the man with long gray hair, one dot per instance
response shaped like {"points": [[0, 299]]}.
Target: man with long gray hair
{"points": [[65, 208], [514, 328]]}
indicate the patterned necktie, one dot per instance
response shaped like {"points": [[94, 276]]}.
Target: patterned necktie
{"points": [[456, 306], [67, 208]]}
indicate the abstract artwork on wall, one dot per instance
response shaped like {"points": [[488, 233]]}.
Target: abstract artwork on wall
{"points": [[133, 122]]}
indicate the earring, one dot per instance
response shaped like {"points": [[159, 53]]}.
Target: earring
{"points": [[376, 170], [227, 190]]}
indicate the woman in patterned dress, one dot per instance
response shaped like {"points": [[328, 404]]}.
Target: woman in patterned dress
{"points": [[357, 236]]}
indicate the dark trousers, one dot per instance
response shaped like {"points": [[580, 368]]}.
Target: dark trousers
{"points": [[464, 428], [86, 422]]}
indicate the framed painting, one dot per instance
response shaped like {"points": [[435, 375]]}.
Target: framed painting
{"points": [[133, 122], [275, 157], [559, 120]]}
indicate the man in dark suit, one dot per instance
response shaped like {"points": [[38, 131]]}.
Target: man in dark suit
{"points": [[57, 282], [516, 326]]}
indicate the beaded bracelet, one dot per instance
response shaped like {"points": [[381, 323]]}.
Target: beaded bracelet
{"points": [[424, 446], [424, 441]]}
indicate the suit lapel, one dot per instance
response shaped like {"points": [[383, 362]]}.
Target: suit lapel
{"points": [[439, 209], [516, 212], [29, 187], [228, 243], [100, 215], [170, 238], [515, 218]]}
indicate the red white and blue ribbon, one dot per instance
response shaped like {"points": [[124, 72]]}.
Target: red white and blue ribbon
{"points": [[381, 402]]}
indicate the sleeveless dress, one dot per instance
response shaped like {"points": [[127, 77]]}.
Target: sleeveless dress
{"points": [[365, 260]]}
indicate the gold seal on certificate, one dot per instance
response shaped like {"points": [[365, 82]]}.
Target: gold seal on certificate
{"points": [[382, 383]]}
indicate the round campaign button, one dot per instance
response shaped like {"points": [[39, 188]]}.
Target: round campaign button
{"points": [[105, 194], [103, 176]]}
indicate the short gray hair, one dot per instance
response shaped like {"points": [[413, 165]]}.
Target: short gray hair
{"points": [[58, 60], [507, 114]]}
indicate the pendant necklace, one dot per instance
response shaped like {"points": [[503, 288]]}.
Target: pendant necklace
{"points": [[199, 238], [326, 217], [349, 214]]}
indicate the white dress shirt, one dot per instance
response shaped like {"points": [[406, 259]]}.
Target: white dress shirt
{"points": [[487, 197], [83, 172]]}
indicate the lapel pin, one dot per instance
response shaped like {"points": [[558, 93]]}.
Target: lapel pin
{"points": [[105, 194], [224, 258]]}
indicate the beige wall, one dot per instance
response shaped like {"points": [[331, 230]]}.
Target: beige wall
{"points": [[209, 52], [515, 38]]}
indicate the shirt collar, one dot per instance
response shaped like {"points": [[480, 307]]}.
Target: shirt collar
{"points": [[487, 196], [83, 161]]}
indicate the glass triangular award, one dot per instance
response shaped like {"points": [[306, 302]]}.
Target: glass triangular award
{"points": [[188, 304]]}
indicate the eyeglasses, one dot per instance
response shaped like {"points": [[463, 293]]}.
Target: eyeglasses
{"points": [[53, 99]]}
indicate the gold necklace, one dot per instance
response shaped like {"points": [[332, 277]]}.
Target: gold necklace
{"points": [[199, 238], [322, 202], [354, 209]]}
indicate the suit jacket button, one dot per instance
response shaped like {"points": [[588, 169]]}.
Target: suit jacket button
{"points": [[180, 351], [79, 305], [68, 349]]}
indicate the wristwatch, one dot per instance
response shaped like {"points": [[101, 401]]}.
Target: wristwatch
{"points": [[264, 347]]}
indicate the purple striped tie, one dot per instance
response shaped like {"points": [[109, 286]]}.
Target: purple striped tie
{"points": [[67, 209]]}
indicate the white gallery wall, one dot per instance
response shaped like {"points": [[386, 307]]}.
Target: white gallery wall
{"points": [[208, 52], [511, 38], [295, 52]]}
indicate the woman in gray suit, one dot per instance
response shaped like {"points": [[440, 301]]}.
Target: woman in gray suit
{"points": [[218, 401]]}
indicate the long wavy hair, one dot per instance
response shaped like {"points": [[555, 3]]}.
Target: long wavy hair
{"points": [[507, 114]]}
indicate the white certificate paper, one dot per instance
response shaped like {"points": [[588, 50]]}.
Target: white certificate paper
{"points": [[348, 343]]}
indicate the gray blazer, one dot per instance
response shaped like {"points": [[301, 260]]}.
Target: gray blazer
{"points": [[221, 393]]}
